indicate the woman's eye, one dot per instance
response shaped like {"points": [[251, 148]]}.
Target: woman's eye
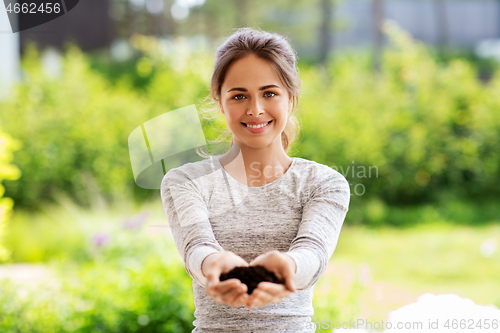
{"points": [[266, 94]]}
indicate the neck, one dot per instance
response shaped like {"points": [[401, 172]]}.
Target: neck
{"points": [[265, 163]]}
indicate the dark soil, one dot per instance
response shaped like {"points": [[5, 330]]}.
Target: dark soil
{"points": [[251, 276]]}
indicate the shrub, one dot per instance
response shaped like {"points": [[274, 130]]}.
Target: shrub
{"points": [[115, 278], [149, 295], [425, 129], [408, 134], [7, 171]]}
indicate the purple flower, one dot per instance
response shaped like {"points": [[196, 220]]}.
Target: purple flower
{"points": [[136, 221], [100, 239]]}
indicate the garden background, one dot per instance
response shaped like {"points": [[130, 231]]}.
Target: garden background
{"points": [[414, 128]]}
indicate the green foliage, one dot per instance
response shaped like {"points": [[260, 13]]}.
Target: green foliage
{"points": [[377, 270], [7, 171], [419, 129], [337, 301], [426, 129], [70, 125], [149, 295], [109, 275], [78, 124], [448, 209]]}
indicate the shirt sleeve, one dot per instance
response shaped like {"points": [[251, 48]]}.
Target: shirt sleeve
{"points": [[187, 215], [322, 218]]}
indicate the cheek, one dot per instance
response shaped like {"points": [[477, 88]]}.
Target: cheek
{"points": [[235, 112], [281, 114], [232, 117]]}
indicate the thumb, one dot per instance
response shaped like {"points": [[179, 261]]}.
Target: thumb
{"points": [[242, 262], [213, 276], [256, 261], [290, 283], [289, 278]]}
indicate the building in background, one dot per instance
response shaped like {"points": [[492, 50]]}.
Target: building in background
{"points": [[316, 29], [88, 25], [457, 23], [9, 55]]}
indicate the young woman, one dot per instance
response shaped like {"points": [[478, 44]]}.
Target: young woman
{"points": [[255, 205]]}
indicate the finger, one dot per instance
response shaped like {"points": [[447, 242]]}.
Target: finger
{"points": [[215, 287], [212, 285], [239, 299], [228, 285], [256, 261], [233, 293], [234, 297], [289, 278], [229, 297], [290, 284], [213, 277], [226, 297], [270, 287], [244, 263], [277, 291], [259, 298]]}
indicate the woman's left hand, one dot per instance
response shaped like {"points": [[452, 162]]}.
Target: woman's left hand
{"points": [[283, 266]]}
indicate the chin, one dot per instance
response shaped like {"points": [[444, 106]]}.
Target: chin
{"points": [[258, 143]]}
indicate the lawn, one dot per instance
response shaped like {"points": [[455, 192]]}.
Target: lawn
{"points": [[374, 271]]}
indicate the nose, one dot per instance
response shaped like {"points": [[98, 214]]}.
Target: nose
{"points": [[255, 108]]}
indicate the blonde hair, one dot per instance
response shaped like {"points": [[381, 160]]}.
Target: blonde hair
{"points": [[271, 47]]}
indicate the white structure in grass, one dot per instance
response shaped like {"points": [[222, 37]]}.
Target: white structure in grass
{"points": [[447, 313]]}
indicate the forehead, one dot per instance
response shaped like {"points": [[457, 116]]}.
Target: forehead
{"points": [[250, 71]]}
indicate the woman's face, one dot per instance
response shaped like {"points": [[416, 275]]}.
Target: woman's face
{"points": [[252, 93]]}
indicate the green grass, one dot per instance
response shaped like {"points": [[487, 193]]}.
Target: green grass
{"points": [[427, 256], [373, 270], [379, 270], [65, 230]]}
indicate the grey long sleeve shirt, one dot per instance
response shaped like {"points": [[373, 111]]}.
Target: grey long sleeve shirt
{"points": [[301, 213]]}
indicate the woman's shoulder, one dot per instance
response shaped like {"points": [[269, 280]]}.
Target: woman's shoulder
{"points": [[191, 171], [321, 179], [315, 171]]}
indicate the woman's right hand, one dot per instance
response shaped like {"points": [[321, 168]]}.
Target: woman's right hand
{"points": [[232, 291]]}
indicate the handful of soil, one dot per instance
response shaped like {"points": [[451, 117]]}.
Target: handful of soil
{"points": [[251, 276]]}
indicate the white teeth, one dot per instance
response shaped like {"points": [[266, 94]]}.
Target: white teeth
{"points": [[257, 126]]}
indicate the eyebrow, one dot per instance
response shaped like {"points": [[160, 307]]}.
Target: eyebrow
{"points": [[261, 88]]}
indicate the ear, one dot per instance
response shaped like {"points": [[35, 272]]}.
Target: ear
{"points": [[290, 103], [221, 108]]}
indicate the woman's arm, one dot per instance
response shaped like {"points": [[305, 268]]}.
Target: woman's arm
{"points": [[187, 216], [322, 218]]}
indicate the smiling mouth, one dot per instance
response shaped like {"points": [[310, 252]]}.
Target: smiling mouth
{"points": [[259, 126]]}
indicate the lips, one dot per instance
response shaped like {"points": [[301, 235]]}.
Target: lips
{"points": [[257, 122]]}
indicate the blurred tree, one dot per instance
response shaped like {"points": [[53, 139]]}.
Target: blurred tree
{"points": [[378, 16], [308, 24], [326, 44], [242, 14], [299, 21], [7, 171], [441, 23]]}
